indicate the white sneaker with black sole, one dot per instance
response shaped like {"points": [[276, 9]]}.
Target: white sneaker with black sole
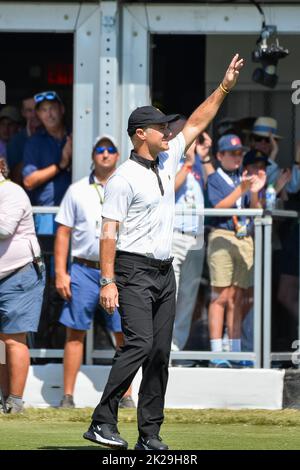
{"points": [[106, 435]]}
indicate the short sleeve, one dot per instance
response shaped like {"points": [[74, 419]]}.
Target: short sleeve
{"points": [[67, 210], [31, 157], [176, 149], [215, 193], [118, 196]]}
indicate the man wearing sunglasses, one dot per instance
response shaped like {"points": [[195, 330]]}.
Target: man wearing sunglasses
{"points": [[264, 138], [47, 159]]}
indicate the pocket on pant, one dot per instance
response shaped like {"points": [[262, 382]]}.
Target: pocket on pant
{"points": [[27, 278], [124, 271]]}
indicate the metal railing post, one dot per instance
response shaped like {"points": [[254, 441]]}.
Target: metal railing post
{"points": [[89, 345], [257, 289], [267, 223]]}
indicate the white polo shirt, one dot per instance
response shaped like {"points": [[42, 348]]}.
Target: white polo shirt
{"points": [[81, 210], [133, 198]]}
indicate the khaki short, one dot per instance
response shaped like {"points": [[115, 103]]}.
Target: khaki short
{"points": [[230, 259]]}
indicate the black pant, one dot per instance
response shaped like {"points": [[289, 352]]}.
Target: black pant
{"points": [[147, 308]]}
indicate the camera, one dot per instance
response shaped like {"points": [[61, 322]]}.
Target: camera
{"points": [[39, 265], [268, 56]]}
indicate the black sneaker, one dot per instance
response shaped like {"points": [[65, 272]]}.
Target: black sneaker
{"points": [[105, 435], [150, 443]]}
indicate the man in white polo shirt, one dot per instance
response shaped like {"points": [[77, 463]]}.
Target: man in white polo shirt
{"points": [[22, 283], [137, 268], [79, 219]]}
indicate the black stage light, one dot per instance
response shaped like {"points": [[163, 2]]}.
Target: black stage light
{"points": [[268, 54]]}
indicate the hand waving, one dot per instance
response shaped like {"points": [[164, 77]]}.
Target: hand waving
{"points": [[232, 72]]}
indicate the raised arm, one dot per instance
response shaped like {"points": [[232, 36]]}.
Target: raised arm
{"points": [[205, 113]]}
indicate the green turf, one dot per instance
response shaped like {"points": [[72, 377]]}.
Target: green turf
{"points": [[183, 429]]}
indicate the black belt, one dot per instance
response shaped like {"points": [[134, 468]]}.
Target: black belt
{"points": [[87, 262], [156, 263]]}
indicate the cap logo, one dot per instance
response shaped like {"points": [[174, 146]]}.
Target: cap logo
{"points": [[235, 141]]}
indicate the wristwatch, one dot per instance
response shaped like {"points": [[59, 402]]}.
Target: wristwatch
{"points": [[104, 281]]}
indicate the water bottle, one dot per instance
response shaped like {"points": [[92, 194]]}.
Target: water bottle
{"points": [[270, 198]]}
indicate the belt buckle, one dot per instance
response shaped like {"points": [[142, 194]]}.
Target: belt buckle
{"points": [[163, 265]]}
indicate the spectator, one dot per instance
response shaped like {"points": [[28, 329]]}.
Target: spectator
{"points": [[80, 220], [187, 246], [255, 161], [15, 147], [264, 138], [230, 247], [47, 159], [293, 186], [9, 125], [21, 287]]}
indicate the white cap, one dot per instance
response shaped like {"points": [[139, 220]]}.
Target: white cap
{"points": [[106, 136]]}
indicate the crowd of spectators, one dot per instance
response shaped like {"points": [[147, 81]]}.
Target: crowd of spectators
{"points": [[233, 171]]}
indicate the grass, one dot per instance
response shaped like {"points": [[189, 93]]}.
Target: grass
{"points": [[54, 429]]}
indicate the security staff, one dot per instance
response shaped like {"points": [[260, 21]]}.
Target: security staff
{"points": [[137, 271]]}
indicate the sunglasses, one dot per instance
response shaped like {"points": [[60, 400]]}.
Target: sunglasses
{"points": [[110, 150], [258, 138], [46, 95], [236, 153]]}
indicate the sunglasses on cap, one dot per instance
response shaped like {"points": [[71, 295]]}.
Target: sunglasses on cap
{"points": [[261, 138], [46, 95], [109, 149]]}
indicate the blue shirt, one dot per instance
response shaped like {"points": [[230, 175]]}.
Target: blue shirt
{"points": [[219, 189], [15, 148], [190, 196], [42, 150]]}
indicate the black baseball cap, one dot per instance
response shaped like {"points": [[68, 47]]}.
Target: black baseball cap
{"points": [[255, 156], [146, 115]]}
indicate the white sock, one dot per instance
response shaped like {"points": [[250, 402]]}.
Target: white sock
{"points": [[216, 345], [235, 345]]}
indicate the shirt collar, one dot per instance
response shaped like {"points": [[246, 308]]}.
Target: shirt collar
{"points": [[231, 173], [93, 179], [143, 161]]}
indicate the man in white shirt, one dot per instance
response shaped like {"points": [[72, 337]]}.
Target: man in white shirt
{"points": [[22, 283], [79, 219], [137, 271]]}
